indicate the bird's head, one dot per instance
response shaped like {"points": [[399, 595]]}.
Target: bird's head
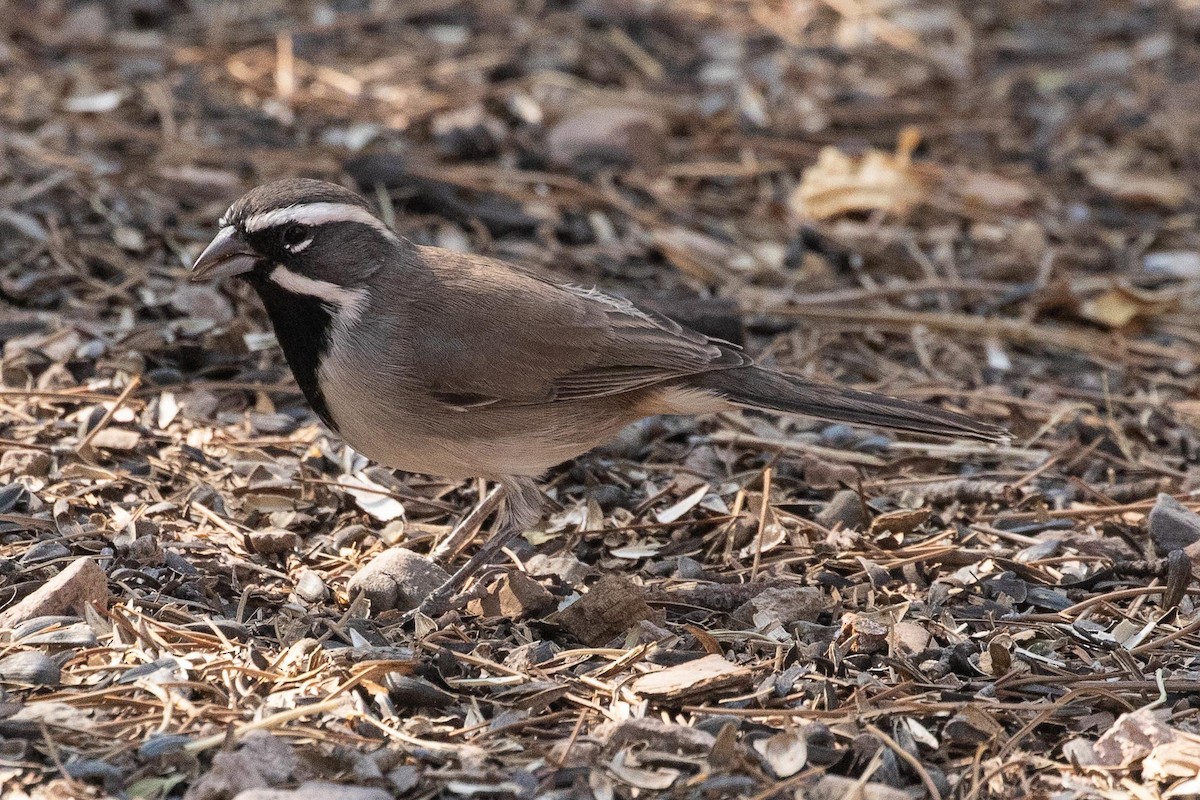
{"points": [[305, 236]]}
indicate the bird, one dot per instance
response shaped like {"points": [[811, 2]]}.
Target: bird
{"points": [[457, 365]]}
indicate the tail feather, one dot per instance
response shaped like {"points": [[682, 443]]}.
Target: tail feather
{"points": [[756, 387]]}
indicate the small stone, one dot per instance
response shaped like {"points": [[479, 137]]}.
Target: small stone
{"points": [[784, 605], [33, 463], [309, 586], [865, 635], [397, 579], [30, 667], [530, 654], [201, 301], [116, 439], [565, 566], [80, 583], [595, 138], [910, 637], [273, 541], [1172, 526], [351, 535], [846, 509], [404, 779]]}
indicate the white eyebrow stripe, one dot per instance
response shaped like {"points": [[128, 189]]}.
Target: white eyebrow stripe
{"points": [[316, 214], [350, 303]]}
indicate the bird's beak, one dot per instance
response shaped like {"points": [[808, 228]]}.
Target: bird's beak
{"points": [[227, 254]]}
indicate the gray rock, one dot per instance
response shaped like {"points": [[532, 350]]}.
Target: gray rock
{"points": [[570, 569], [309, 586], [397, 579], [845, 508], [785, 605], [30, 667], [1172, 526]]}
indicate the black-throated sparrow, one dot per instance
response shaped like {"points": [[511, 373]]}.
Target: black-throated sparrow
{"points": [[432, 361]]}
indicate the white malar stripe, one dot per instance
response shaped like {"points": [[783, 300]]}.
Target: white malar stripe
{"points": [[349, 303], [316, 214]]}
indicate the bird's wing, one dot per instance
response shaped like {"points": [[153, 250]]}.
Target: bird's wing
{"points": [[518, 338]]}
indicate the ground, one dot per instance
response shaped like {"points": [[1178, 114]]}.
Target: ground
{"points": [[987, 206]]}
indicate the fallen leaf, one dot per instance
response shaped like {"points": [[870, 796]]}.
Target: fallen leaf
{"points": [[371, 497], [840, 184]]}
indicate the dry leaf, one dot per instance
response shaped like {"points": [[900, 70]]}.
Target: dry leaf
{"points": [[840, 184], [371, 497], [1119, 306], [1170, 760]]}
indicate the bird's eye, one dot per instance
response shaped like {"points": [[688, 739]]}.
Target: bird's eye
{"points": [[295, 235]]}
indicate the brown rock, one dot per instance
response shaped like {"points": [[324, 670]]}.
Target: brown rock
{"points": [[611, 607], [397, 579], [82, 582], [865, 635], [273, 541]]}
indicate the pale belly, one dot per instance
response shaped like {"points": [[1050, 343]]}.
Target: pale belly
{"points": [[488, 442]]}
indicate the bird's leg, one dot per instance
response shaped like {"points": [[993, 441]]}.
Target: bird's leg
{"points": [[522, 505], [449, 548]]}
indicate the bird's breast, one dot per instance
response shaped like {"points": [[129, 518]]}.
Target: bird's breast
{"points": [[383, 413]]}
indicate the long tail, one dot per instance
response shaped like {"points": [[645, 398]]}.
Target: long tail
{"points": [[756, 387]]}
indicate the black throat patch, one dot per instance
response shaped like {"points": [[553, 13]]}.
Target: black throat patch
{"points": [[303, 325]]}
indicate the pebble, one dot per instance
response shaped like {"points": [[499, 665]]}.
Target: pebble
{"points": [[595, 138], [397, 579], [845, 508], [784, 605], [309, 586], [316, 790], [116, 439], [274, 542], [1172, 526]]}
